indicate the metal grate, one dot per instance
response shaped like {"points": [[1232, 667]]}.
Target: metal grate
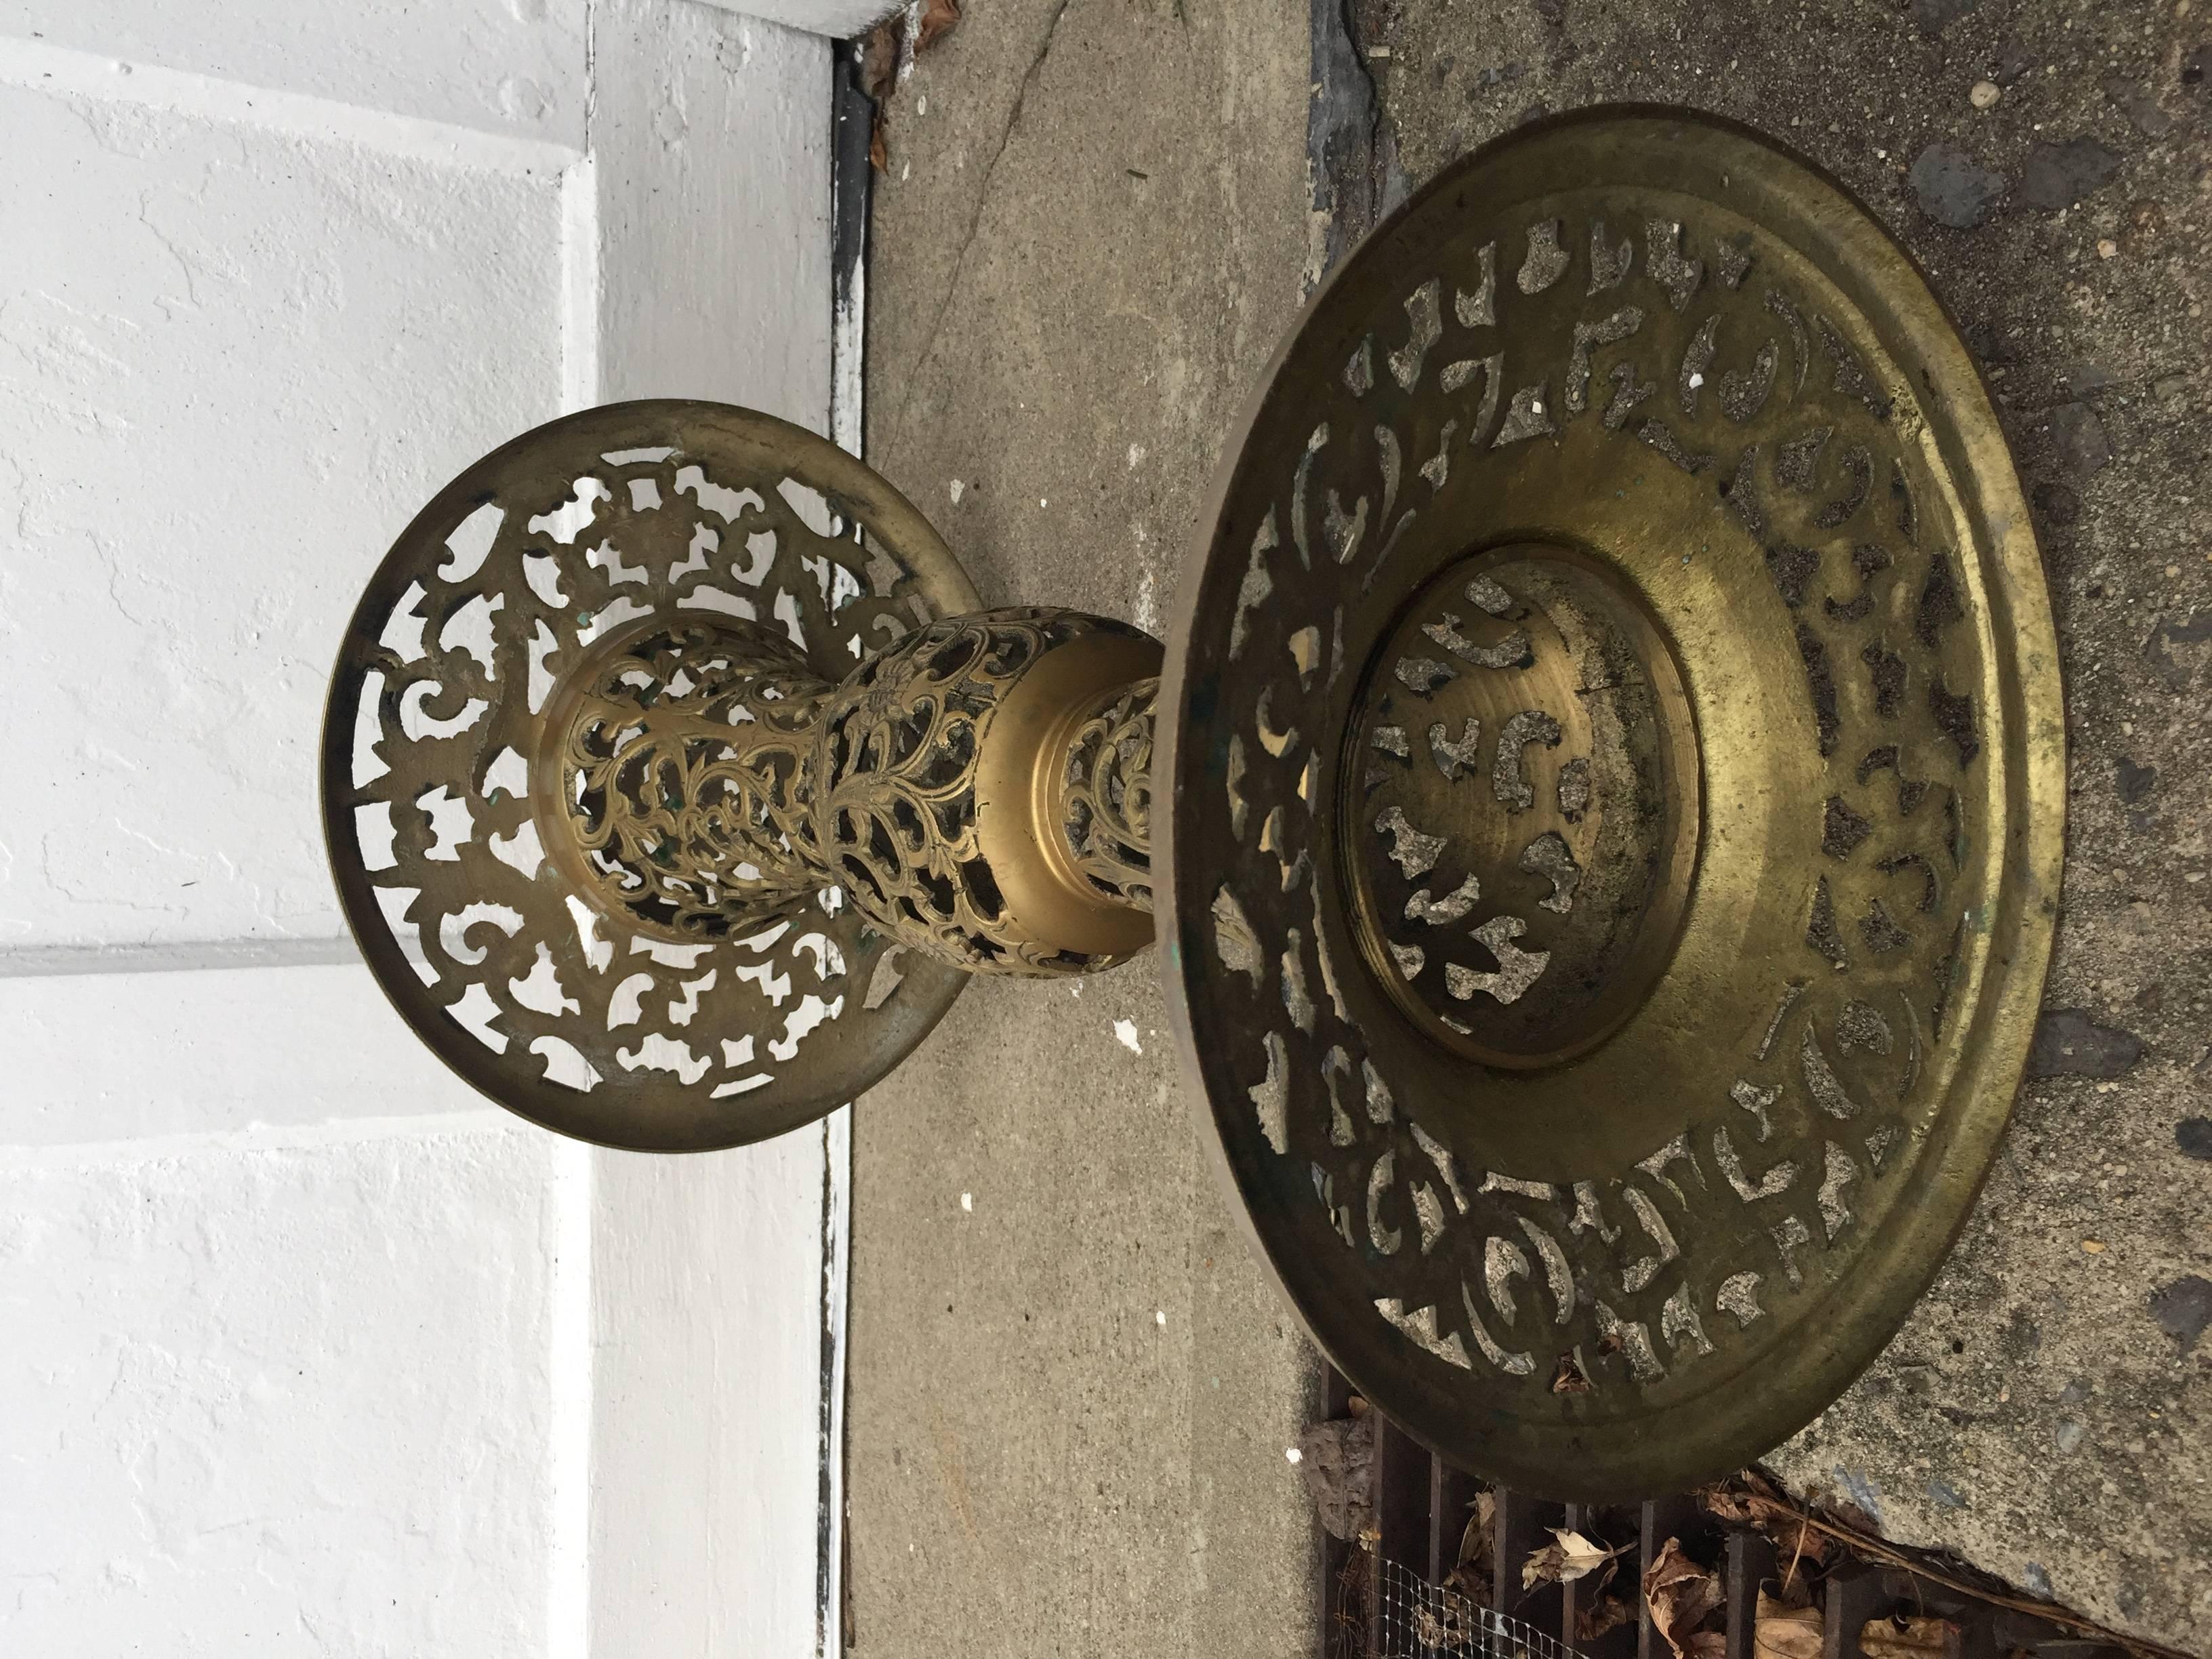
{"points": [[1416, 1619], [1388, 1600]]}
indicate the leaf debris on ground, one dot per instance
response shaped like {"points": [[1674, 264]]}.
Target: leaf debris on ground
{"points": [[1604, 1614], [1806, 1541], [1910, 1638], [1779, 1631], [886, 59], [1682, 1596], [1472, 1575], [1567, 1557], [939, 18]]}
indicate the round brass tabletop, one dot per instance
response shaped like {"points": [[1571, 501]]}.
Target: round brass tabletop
{"points": [[1611, 803]]}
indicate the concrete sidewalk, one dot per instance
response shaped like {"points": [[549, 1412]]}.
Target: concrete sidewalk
{"points": [[1071, 1389], [1070, 1401]]}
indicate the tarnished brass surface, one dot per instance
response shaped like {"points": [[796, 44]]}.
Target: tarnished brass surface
{"points": [[1614, 728], [1609, 792], [668, 785], [1101, 796], [927, 778], [1534, 920], [1065, 867], [543, 988], [673, 815]]}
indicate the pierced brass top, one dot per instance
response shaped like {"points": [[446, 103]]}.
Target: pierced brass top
{"points": [[670, 809], [1614, 721], [664, 753]]}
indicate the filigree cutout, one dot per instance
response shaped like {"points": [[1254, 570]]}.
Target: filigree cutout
{"points": [[1789, 426]]}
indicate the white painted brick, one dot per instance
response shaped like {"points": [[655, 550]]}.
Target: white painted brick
{"points": [[281, 1401], [513, 66], [107, 1057], [233, 364]]}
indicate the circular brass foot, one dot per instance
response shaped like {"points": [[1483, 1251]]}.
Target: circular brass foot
{"points": [[1617, 782], [675, 785], [562, 775]]}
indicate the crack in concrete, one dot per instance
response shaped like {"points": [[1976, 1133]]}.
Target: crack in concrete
{"points": [[975, 223]]}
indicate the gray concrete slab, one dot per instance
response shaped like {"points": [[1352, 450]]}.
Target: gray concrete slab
{"points": [[1089, 238], [1072, 1390], [2040, 1414]]}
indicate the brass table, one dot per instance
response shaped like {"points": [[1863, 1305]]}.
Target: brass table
{"points": [[1599, 806]]}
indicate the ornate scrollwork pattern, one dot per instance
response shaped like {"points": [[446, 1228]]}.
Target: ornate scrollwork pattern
{"points": [[894, 790], [1105, 809], [1687, 399], [682, 789], [689, 1005]]}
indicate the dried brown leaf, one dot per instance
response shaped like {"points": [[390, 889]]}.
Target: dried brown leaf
{"points": [[1582, 1555], [1803, 1539], [1468, 1583], [1544, 1566], [1570, 1556], [1730, 1505], [937, 19], [1796, 1586], [1471, 1575], [1475, 1542], [879, 55], [1668, 1568], [1438, 1628], [1681, 1595], [1780, 1631], [1568, 1378], [1754, 1505], [1913, 1638], [879, 154], [1336, 1463], [1605, 1613]]}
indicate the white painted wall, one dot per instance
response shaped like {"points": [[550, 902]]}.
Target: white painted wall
{"points": [[842, 18], [307, 1348]]}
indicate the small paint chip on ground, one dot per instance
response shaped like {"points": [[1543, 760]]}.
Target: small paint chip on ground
{"points": [[968, 1202], [1126, 1030]]}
